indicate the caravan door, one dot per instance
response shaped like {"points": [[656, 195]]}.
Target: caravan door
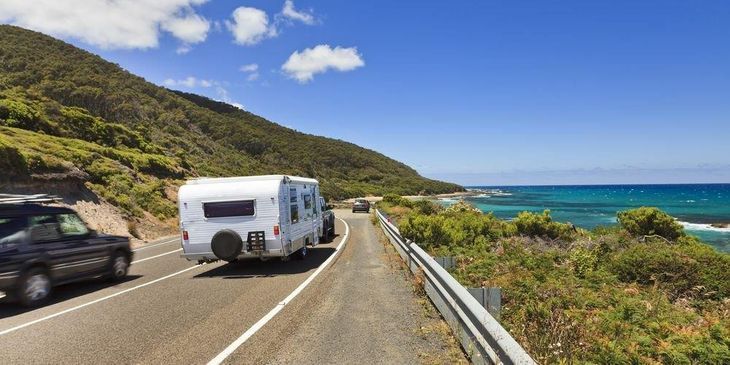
{"points": [[310, 206]]}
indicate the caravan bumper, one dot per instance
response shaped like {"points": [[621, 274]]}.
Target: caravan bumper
{"points": [[244, 254]]}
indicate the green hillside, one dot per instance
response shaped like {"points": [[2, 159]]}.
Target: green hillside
{"points": [[66, 113]]}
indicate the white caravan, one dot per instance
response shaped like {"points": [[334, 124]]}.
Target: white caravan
{"points": [[253, 216]]}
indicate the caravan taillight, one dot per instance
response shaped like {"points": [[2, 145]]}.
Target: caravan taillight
{"points": [[276, 230], [185, 235]]}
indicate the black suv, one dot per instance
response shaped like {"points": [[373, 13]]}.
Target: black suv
{"points": [[43, 246]]}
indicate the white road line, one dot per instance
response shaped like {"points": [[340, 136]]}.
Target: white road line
{"points": [[95, 301], [155, 256], [258, 325], [171, 240]]}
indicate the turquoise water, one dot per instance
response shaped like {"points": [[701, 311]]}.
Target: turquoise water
{"points": [[696, 206]]}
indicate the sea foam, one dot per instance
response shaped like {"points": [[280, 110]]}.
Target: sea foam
{"points": [[703, 227]]}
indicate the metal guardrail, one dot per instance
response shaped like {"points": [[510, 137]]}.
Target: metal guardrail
{"points": [[485, 340]]}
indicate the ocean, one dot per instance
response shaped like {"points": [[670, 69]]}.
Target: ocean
{"points": [[696, 206]]}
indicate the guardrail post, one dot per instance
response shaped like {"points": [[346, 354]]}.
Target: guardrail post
{"points": [[447, 262], [489, 298]]}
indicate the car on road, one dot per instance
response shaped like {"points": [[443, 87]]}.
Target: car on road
{"points": [[328, 221], [361, 205], [44, 246]]}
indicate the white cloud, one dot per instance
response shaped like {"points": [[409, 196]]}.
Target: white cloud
{"points": [[183, 49], [249, 68], [302, 66], [289, 12], [121, 24], [189, 82], [250, 25], [191, 28]]}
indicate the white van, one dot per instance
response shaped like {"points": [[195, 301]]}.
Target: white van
{"points": [[253, 216]]}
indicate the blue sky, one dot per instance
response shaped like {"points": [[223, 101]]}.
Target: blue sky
{"points": [[476, 92]]}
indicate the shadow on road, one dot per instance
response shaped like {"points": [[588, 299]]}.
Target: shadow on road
{"points": [[255, 268], [62, 293]]}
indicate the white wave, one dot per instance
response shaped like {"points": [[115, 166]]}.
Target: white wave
{"points": [[703, 227]]}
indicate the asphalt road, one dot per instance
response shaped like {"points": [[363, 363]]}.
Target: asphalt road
{"points": [[170, 310]]}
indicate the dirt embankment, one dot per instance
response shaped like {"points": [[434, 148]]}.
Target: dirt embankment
{"points": [[98, 214]]}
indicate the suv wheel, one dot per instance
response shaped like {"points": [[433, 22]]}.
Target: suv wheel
{"points": [[34, 287], [119, 266]]}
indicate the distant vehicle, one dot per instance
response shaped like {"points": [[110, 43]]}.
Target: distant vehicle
{"points": [[253, 216], [44, 246], [328, 222], [361, 205]]}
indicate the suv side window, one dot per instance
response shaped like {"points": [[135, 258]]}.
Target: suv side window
{"points": [[70, 225], [44, 228], [12, 230]]}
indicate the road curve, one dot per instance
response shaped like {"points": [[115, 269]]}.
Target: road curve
{"points": [[173, 311]]}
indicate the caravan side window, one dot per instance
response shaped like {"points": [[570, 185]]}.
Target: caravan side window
{"points": [[293, 206], [307, 202], [238, 208], [308, 205]]}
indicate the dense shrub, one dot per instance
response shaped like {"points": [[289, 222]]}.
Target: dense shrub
{"points": [[649, 221], [18, 114], [444, 229], [461, 207], [683, 270], [12, 162], [394, 199], [542, 225]]}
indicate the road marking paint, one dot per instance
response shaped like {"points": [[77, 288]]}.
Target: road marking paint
{"points": [[156, 256], [95, 301], [258, 325], [171, 240]]}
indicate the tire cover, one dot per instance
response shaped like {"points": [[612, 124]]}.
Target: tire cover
{"points": [[226, 245]]}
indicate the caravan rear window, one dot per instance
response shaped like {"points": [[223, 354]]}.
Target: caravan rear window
{"points": [[237, 208]]}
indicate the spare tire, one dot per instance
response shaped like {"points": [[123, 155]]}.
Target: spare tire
{"points": [[227, 245]]}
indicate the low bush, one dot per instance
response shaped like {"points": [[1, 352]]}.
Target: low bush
{"points": [[542, 225], [12, 162], [695, 271], [649, 221]]}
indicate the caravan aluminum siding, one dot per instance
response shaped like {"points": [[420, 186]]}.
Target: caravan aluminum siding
{"points": [[271, 208]]}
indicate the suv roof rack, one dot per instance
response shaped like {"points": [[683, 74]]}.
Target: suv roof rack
{"points": [[28, 199]]}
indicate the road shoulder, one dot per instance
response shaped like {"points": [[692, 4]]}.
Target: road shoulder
{"points": [[363, 309]]}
